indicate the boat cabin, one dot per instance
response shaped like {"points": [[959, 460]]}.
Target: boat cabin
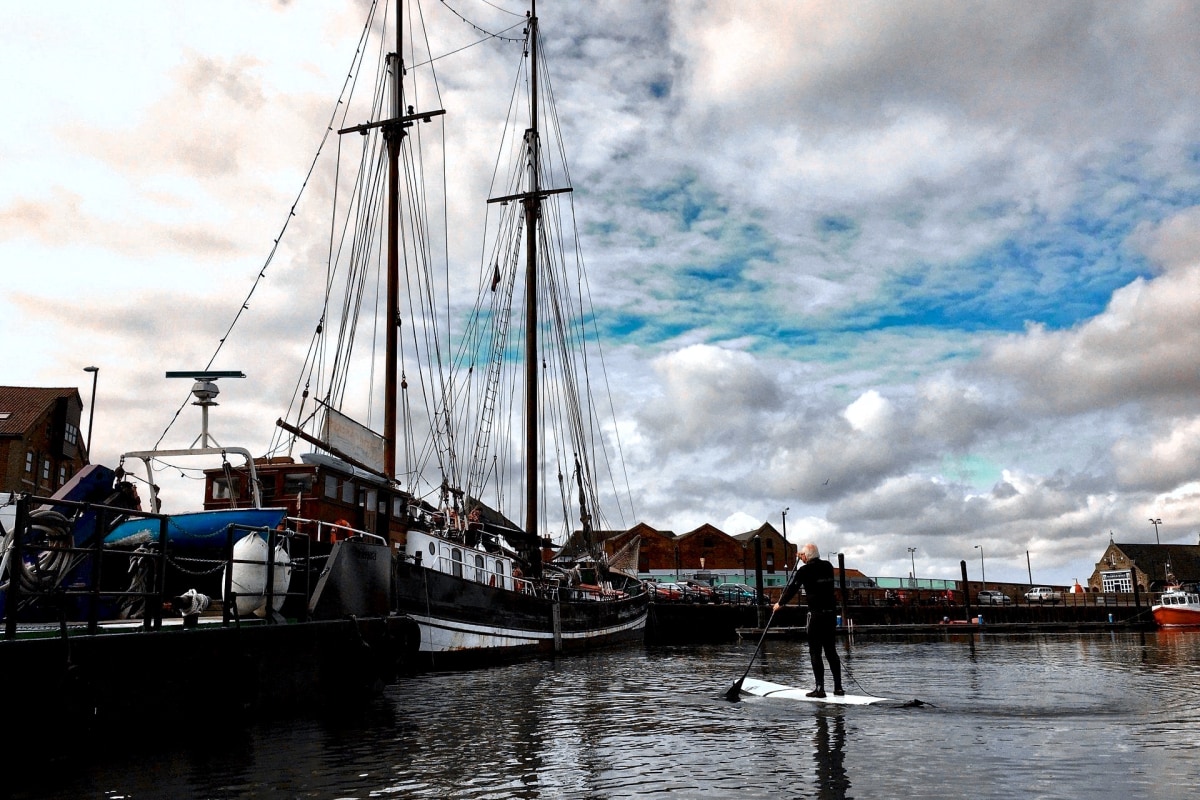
{"points": [[323, 496]]}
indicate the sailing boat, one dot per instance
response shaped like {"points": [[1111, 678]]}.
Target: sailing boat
{"points": [[481, 586]]}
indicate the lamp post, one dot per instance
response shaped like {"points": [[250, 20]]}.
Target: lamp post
{"points": [[982, 571], [913, 559], [92, 410], [1156, 523], [786, 546]]}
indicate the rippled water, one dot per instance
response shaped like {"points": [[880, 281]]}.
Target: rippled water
{"points": [[1002, 716]]}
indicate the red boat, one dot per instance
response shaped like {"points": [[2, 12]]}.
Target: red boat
{"points": [[1177, 608]]}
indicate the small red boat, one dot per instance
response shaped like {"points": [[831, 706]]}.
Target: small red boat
{"points": [[1177, 608]]}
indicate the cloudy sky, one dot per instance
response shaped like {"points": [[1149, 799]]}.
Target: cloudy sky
{"points": [[926, 274]]}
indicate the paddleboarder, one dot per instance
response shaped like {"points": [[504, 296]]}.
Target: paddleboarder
{"points": [[816, 577]]}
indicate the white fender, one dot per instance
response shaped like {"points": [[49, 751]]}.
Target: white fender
{"points": [[250, 579]]}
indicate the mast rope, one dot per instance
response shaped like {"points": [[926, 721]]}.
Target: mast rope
{"points": [[347, 85]]}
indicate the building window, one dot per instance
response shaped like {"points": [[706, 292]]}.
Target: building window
{"points": [[62, 474], [72, 434], [1116, 581], [29, 462], [45, 469]]}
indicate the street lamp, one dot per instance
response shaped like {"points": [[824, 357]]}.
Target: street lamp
{"points": [[913, 558], [92, 411], [1156, 523], [982, 571], [787, 548]]}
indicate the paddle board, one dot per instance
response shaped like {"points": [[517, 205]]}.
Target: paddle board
{"points": [[768, 689]]}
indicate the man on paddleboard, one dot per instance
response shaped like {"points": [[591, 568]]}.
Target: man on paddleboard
{"points": [[816, 576]]}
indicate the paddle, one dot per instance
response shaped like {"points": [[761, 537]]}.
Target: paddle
{"points": [[735, 691]]}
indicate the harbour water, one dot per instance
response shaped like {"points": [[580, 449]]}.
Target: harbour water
{"points": [[1110, 715]]}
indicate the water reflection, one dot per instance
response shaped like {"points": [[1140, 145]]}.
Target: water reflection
{"points": [[1064, 716], [829, 752]]}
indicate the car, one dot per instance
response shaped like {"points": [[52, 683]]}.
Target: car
{"points": [[1043, 594], [735, 593], [991, 597], [665, 591], [696, 592]]}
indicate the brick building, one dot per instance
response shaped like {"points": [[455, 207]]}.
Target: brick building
{"points": [[706, 553], [40, 443], [1151, 566]]}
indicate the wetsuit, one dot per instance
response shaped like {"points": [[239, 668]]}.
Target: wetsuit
{"points": [[817, 579]]}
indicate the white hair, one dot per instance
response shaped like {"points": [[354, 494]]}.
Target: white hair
{"points": [[810, 551]]}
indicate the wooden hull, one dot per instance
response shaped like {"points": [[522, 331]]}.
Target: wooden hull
{"points": [[462, 620]]}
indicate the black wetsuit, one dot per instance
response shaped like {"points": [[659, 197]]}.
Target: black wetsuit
{"points": [[817, 579]]}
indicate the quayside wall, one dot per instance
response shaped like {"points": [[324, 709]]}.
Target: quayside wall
{"points": [[681, 623]]}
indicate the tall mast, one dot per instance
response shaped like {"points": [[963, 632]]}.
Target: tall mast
{"points": [[531, 203], [393, 134], [533, 207], [395, 128]]}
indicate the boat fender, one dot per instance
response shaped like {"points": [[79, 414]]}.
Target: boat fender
{"points": [[249, 579]]}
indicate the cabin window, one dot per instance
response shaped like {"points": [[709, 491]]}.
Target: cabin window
{"points": [[266, 486], [456, 562], [397, 507], [369, 499], [29, 462], [222, 489], [348, 491], [331, 486], [432, 551], [297, 483], [479, 568]]}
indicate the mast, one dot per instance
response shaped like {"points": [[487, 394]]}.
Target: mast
{"points": [[533, 205], [393, 134], [395, 128]]}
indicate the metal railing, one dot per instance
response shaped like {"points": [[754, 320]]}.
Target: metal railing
{"points": [[78, 574]]}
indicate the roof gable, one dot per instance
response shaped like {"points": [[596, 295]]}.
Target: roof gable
{"points": [[22, 406]]}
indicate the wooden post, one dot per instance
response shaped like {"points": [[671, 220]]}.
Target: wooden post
{"points": [[966, 590]]}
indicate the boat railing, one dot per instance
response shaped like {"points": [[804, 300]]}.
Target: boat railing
{"points": [[37, 570], [39, 565], [330, 531], [229, 609]]}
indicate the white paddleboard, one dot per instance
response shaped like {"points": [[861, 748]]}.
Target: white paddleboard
{"points": [[767, 689]]}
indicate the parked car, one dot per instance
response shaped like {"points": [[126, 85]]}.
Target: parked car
{"points": [[665, 591], [1043, 594], [696, 592], [735, 593], [991, 597]]}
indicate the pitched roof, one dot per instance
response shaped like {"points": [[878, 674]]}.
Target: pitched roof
{"points": [[761, 530], [1152, 558], [20, 406]]}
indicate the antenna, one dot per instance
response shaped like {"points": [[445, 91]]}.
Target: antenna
{"points": [[205, 390]]}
